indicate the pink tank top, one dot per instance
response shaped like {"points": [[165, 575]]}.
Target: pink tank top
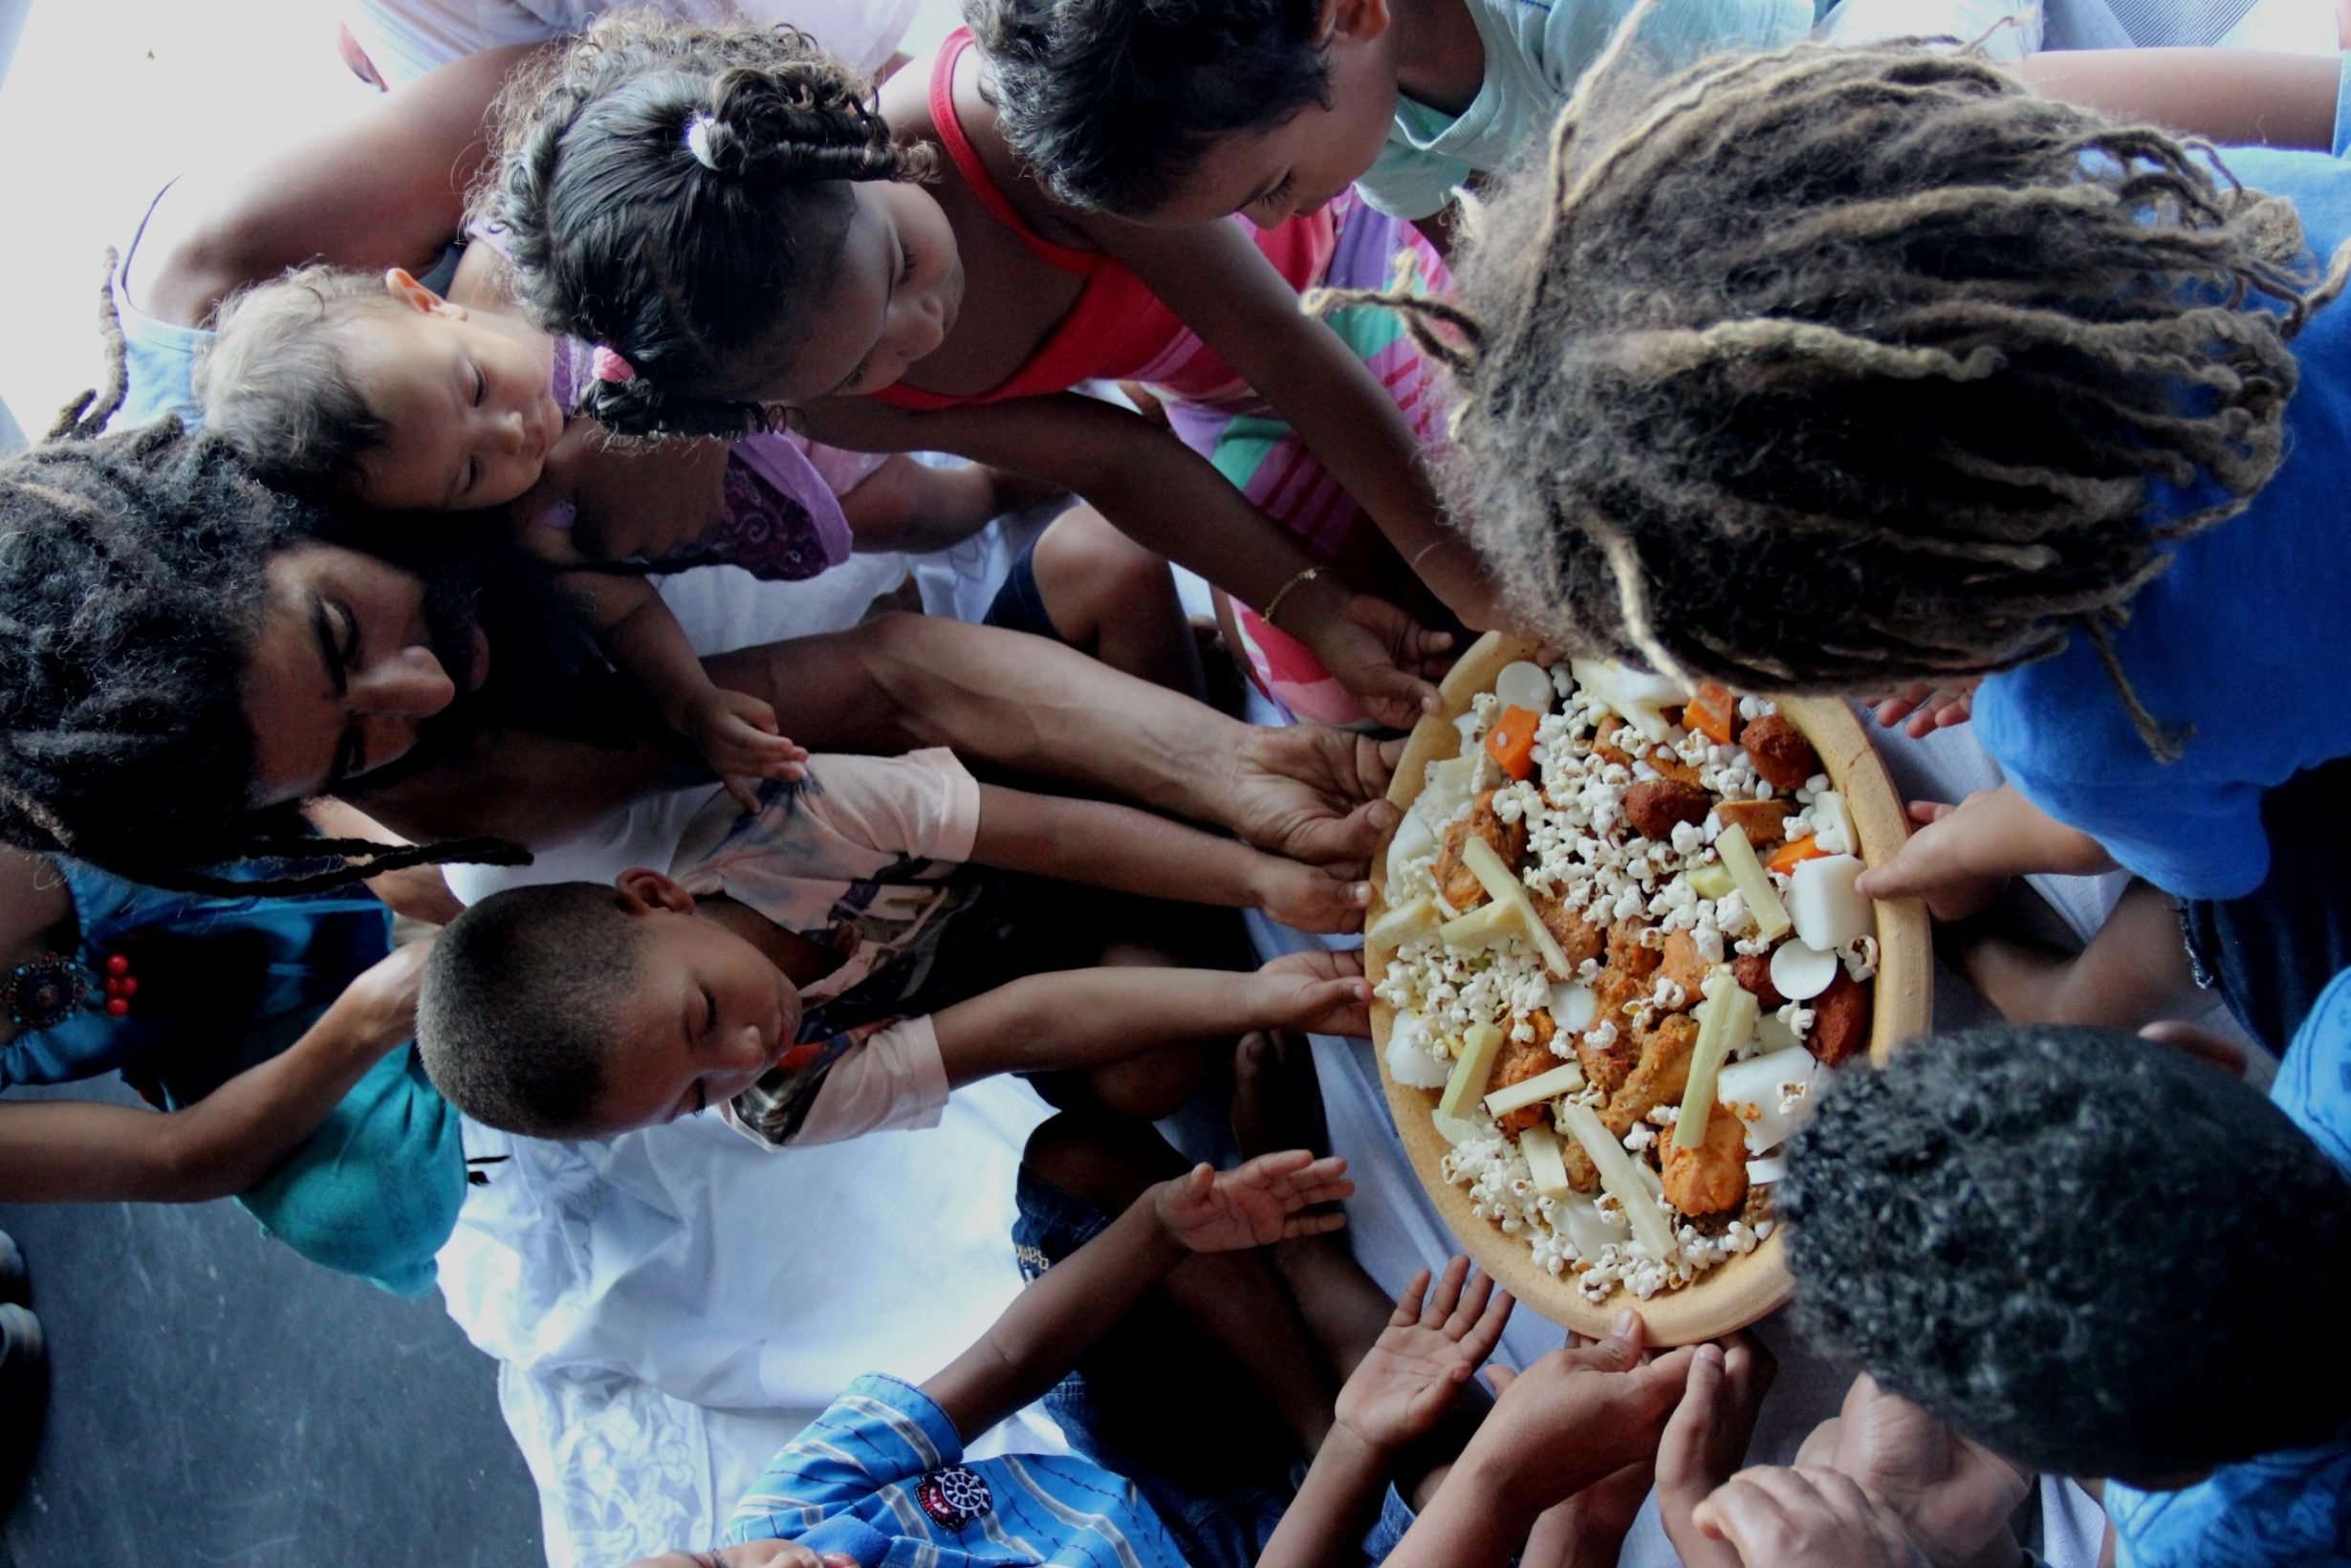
{"points": [[1119, 329]]}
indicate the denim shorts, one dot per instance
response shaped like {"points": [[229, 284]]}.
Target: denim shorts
{"points": [[1145, 1404]]}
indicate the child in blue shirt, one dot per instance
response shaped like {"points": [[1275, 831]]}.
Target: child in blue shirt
{"points": [[1844, 417], [880, 1477], [2104, 1256]]}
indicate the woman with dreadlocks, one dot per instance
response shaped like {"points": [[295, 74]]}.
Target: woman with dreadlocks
{"points": [[1829, 370]]}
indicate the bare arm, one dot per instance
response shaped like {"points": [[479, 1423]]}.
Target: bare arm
{"points": [[1101, 844], [79, 1150], [1074, 1019], [1170, 500], [1056, 1320], [386, 189], [1960, 856], [996, 698], [1227, 291], [2232, 95]]}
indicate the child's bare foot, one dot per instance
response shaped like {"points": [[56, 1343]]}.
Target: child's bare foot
{"points": [[1276, 1098]]}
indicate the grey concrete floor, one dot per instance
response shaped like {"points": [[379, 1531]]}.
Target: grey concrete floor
{"points": [[216, 1400]]}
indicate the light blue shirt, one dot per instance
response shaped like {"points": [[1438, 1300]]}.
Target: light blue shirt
{"points": [[1535, 52], [2285, 1509], [2246, 637], [881, 1477]]}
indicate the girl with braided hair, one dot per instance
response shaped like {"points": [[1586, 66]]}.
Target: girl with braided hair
{"points": [[1825, 371], [724, 210]]}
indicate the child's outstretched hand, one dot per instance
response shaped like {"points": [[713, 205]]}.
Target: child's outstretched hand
{"points": [[1706, 1441], [1272, 1198], [1576, 1417], [1927, 707], [1388, 660], [1959, 858], [739, 737], [1317, 991], [1434, 1344], [1307, 898]]}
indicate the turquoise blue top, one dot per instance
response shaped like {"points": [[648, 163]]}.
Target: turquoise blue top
{"points": [[226, 983]]}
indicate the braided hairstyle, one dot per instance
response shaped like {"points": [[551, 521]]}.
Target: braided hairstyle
{"points": [[1115, 102], [132, 581], [622, 234], [1822, 369]]}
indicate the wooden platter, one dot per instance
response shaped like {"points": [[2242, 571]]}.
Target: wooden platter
{"points": [[1742, 1289]]}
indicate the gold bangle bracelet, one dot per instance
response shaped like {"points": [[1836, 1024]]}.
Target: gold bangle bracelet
{"points": [[1274, 603]]}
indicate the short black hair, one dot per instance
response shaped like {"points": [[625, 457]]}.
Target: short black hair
{"points": [[1115, 102], [515, 1020], [2093, 1254]]}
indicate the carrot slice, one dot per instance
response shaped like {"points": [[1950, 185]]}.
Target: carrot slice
{"points": [[1792, 854], [1510, 742], [1711, 711]]}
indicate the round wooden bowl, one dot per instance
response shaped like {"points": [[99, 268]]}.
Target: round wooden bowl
{"points": [[1742, 1289]]}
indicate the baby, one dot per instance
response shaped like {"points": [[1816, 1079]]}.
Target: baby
{"points": [[788, 966], [380, 391]]}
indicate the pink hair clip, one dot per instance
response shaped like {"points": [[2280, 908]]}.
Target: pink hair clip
{"points": [[607, 366]]}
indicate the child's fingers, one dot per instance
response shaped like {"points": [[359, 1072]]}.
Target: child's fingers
{"points": [[1485, 1333], [1682, 1449], [1309, 1223], [1282, 1163], [1408, 1304], [1499, 1376], [745, 795], [1447, 1294], [1475, 1293]]}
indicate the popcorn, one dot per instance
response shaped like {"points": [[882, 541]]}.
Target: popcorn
{"points": [[1582, 858]]}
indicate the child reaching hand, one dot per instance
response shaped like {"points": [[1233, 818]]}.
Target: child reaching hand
{"points": [[773, 969], [382, 391]]}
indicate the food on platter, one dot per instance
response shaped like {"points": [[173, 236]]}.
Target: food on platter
{"points": [[1617, 950]]}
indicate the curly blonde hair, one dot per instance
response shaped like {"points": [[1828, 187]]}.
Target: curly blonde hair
{"points": [[1824, 369], [621, 235]]}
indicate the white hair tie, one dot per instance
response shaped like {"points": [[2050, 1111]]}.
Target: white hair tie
{"points": [[698, 141]]}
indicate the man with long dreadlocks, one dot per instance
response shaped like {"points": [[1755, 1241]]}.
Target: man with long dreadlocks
{"points": [[1822, 371]]}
